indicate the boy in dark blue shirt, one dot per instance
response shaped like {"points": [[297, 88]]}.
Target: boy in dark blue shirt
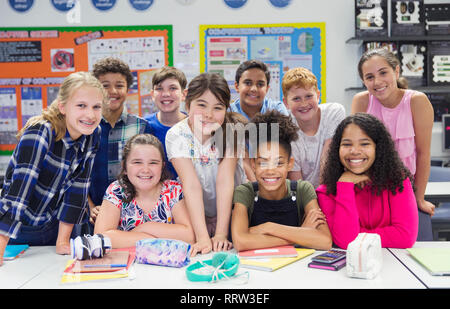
{"points": [[168, 93]]}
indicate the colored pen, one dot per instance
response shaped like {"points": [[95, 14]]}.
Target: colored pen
{"points": [[110, 265]]}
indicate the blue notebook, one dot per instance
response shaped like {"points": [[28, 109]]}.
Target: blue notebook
{"points": [[13, 251]]}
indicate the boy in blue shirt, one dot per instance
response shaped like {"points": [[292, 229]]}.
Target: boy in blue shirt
{"points": [[168, 93], [252, 83]]}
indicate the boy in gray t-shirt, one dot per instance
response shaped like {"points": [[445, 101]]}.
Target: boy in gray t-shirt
{"points": [[317, 123]]}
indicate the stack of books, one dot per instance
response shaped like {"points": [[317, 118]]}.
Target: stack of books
{"points": [[271, 259], [113, 265]]}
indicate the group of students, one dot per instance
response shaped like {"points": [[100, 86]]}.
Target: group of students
{"points": [[316, 179]]}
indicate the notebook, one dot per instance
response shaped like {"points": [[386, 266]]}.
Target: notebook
{"points": [[435, 260], [272, 264], [280, 251], [111, 261], [102, 273], [14, 251]]}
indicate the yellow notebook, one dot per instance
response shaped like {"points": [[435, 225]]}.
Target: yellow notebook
{"points": [[435, 260], [80, 277], [272, 264]]}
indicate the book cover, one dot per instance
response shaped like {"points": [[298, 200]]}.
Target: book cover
{"points": [[435, 260], [280, 251], [272, 264], [112, 261], [70, 276], [14, 251]]}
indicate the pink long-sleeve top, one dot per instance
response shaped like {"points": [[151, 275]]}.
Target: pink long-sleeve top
{"points": [[353, 210]]}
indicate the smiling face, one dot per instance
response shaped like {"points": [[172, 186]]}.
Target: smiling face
{"points": [[252, 88], [271, 167], [379, 77], [303, 102], [168, 95], [144, 167], [116, 86], [356, 150], [83, 111], [206, 114]]}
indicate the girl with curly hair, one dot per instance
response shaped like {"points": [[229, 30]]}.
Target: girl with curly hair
{"points": [[366, 188], [274, 210], [143, 202]]}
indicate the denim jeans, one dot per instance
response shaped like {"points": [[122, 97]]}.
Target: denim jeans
{"points": [[42, 235]]}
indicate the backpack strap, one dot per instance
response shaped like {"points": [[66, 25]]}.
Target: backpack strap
{"points": [[255, 190], [294, 190]]}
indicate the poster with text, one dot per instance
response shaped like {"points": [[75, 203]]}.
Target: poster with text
{"points": [[35, 61], [280, 46]]}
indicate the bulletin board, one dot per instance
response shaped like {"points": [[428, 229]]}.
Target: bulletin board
{"points": [[35, 61], [280, 46]]}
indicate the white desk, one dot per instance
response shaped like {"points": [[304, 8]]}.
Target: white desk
{"points": [[418, 270], [41, 267], [437, 192]]}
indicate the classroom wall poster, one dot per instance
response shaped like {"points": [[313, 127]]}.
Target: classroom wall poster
{"points": [[34, 62], [280, 46]]}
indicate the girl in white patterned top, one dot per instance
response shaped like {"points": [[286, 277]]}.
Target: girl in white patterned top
{"points": [[208, 177], [143, 202]]}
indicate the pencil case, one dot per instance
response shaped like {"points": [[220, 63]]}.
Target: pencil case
{"points": [[163, 252], [364, 257]]}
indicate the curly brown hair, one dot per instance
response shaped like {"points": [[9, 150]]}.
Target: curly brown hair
{"points": [[113, 65], [387, 171], [139, 139], [287, 131]]}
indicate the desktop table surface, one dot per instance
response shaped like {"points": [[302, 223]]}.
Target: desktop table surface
{"points": [[41, 267], [438, 191], [418, 270]]}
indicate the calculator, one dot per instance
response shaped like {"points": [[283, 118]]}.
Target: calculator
{"points": [[330, 256]]}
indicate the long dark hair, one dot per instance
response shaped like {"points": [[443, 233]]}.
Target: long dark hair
{"points": [[139, 139], [209, 81], [387, 171], [390, 58]]}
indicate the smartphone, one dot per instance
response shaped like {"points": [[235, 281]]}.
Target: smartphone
{"points": [[330, 256], [329, 266]]}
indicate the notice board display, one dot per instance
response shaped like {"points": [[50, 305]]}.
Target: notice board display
{"points": [[35, 61], [280, 46]]}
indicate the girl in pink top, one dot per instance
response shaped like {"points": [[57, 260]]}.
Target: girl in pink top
{"points": [[366, 187], [407, 114]]}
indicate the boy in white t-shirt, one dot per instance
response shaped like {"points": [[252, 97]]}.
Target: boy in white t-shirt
{"points": [[317, 123]]}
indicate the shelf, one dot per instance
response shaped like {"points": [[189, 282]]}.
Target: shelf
{"points": [[399, 38], [425, 89]]}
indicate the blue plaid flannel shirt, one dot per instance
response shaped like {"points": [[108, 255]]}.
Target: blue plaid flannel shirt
{"points": [[47, 178]]}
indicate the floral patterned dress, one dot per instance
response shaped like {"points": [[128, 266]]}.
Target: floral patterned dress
{"points": [[131, 215]]}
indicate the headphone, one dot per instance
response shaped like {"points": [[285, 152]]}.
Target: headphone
{"points": [[225, 265], [83, 248]]}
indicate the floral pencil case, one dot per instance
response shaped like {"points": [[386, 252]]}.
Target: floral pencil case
{"points": [[163, 252]]}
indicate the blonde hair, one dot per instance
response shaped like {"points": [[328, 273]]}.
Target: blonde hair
{"points": [[52, 113], [298, 77]]}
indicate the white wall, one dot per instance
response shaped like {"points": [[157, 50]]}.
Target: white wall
{"points": [[341, 58]]}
